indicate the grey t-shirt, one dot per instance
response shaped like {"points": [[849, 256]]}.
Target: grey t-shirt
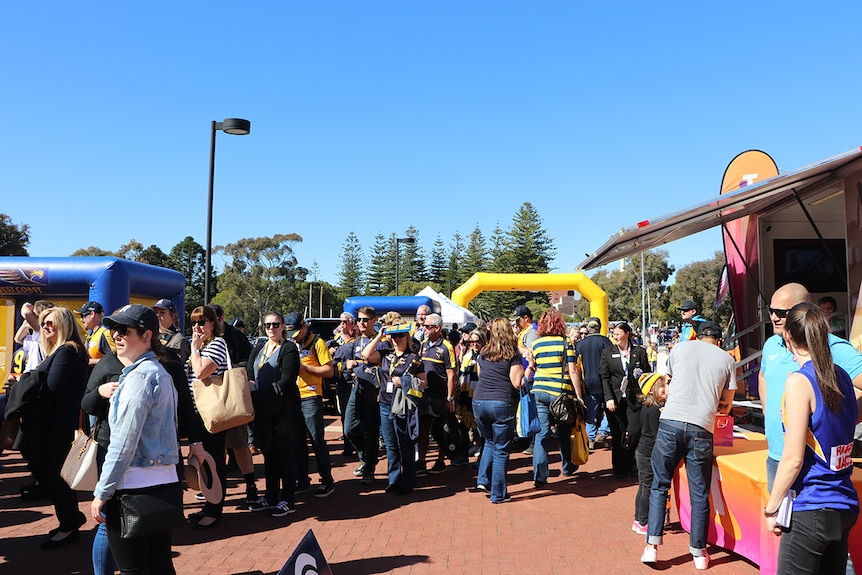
{"points": [[701, 371]]}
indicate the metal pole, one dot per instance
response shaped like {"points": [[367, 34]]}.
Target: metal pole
{"points": [[397, 246], [208, 270], [644, 329]]}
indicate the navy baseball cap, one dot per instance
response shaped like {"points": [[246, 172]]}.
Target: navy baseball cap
{"points": [[91, 306], [135, 315]]}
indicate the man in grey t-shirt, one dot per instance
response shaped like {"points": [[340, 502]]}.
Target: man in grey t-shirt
{"points": [[703, 384]]}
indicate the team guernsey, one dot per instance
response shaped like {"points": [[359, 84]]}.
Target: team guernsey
{"points": [[437, 357], [825, 478], [552, 375], [100, 342], [312, 351]]}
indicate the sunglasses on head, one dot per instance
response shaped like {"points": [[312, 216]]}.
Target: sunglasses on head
{"points": [[779, 313], [272, 325], [199, 322]]}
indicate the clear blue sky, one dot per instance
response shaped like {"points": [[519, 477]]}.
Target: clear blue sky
{"points": [[372, 116]]}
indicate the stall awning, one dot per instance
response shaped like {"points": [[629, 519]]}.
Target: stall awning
{"points": [[820, 178]]}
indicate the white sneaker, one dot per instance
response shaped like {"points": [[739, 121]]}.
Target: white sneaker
{"points": [[650, 555], [701, 563]]}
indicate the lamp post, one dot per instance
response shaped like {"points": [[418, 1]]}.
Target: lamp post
{"points": [[236, 127], [398, 242]]}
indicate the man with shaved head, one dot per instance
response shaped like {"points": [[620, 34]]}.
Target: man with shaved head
{"points": [[778, 362]]}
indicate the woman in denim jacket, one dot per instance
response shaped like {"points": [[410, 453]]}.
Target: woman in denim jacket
{"points": [[143, 451]]}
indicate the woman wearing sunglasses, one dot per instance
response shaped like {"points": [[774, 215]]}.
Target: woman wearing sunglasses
{"points": [[47, 431], [395, 361], [272, 370], [209, 357], [468, 376]]}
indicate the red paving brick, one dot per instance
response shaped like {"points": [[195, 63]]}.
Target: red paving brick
{"points": [[576, 525]]}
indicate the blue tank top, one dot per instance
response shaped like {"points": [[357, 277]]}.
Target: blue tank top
{"points": [[825, 478]]}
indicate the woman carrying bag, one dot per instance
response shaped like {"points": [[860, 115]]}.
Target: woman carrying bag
{"points": [[273, 367], [143, 452]]}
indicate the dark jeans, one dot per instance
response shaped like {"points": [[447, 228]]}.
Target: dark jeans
{"points": [[142, 555], [400, 449], [674, 442], [214, 445], [542, 441], [279, 469], [362, 422], [495, 421], [645, 476], [343, 390], [312, 414], [816, 542]]}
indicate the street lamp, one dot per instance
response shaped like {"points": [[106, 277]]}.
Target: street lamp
{"points": [[398, 242], [236, 127]]}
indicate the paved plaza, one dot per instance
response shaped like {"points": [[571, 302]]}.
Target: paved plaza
{"points": [[578, 524]]}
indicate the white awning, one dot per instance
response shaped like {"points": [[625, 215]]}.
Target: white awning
{"points": [[822, 178]]}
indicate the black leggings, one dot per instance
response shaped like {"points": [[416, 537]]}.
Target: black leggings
{"points": [[149, 555]]}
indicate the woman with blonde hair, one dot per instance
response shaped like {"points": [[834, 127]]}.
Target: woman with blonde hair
{"points": [[495, 400], [48, 431]]}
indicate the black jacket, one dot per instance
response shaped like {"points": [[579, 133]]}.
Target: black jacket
{"points": [[612, 374], [277, 404]]}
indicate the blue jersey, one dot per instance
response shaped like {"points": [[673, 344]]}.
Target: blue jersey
{"points": [[825, 478]]}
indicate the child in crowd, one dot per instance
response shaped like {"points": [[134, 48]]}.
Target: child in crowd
{"points": [[654, 388]]}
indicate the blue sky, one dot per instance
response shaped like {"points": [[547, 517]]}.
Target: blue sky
{"points": [[374, 116]]}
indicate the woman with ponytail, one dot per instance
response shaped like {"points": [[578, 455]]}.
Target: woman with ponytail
{"points": [[819, 415]]}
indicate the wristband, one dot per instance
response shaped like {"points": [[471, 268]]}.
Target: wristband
{"points": [[768, 514], [196, 351]]}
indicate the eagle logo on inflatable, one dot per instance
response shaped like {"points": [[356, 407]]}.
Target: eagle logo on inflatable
{"points": [[23, 277]]}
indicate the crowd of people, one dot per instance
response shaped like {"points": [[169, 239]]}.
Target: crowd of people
{"points": [[401, 382]]}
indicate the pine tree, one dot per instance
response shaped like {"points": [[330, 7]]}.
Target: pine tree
{"points": [[380, 268], [351, 275], [412, 259], [476, 256], [455, 270], [437, 266]]}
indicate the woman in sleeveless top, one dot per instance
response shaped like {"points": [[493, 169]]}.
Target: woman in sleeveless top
{"points": [[820, 412]]}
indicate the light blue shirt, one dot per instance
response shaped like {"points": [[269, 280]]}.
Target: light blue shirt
{"points": [[143, 418], [777, 363]]}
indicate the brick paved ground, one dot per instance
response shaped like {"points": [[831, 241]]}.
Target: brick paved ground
{"points": [[576, 525]]}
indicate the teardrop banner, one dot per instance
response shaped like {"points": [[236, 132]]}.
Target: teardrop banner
{"points": [[307, 558]]}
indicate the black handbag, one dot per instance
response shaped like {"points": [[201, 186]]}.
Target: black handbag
{"points": [[150, 510], [563, 408]]}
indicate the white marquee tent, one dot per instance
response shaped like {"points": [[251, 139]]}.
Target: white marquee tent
{"points": [[451, 312]]}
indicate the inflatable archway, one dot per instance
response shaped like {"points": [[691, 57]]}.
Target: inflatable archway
{"points": [[480, 282], [73, 281]]}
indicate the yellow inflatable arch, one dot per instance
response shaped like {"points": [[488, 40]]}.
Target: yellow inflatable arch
{"points": [[530, 282]]}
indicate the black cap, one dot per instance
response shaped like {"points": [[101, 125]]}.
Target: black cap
{"points": [[594, 323], [467, 327], [522, 311], [687, 305], [167, 304], [293, 323], [134, 315], [708, 329], [236, 322], [91, 306]]}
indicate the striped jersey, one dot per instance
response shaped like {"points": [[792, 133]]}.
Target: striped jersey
{"points": [[552, 355]]}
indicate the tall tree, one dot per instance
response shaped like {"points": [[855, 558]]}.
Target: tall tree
{"points": [[131, 250], [476, 255], [189, 258], [154, 256], [351, 275], [412, 259], [91, 251], [698, 281], [14, 238], [625, 290], [455, 270], [262, 275], [380, 268], [437, 266]]}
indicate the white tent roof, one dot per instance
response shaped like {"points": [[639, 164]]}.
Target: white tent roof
{"points": [[451, 312]]}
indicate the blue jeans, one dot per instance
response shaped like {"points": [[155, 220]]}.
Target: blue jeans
{"points": [[400, 449], [771, 468], [362, 423], [674, 442], [593, 404], [542, 441], [495, 421], [312, 412]]}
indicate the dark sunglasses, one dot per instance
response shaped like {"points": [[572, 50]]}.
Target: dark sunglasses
{"points": [[398, 335], [86, 314], [779, 313], [346, 321], [272, 325], [200, 322], [472, 341], [122, 330], [429, 325], [47, 323], [363, 320]]}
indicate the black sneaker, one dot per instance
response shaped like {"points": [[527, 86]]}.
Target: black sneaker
{"points": [[251, 495], [302, 488], [282, 508], [324, 490], [438, 468], [368, 479], [260, 505], [506, 499]]}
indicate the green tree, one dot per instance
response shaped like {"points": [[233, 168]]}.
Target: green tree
{"points": [[624, 288], [351, 275], [262, 275], [189, 258], [380, 279], [90, 252], [437, 266], [154, 256], [412, 259], [14, 239], [455, 270], [698, 281], [476, 255]]}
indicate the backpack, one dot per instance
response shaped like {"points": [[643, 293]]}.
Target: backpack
{"points": [[457, 440]]}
